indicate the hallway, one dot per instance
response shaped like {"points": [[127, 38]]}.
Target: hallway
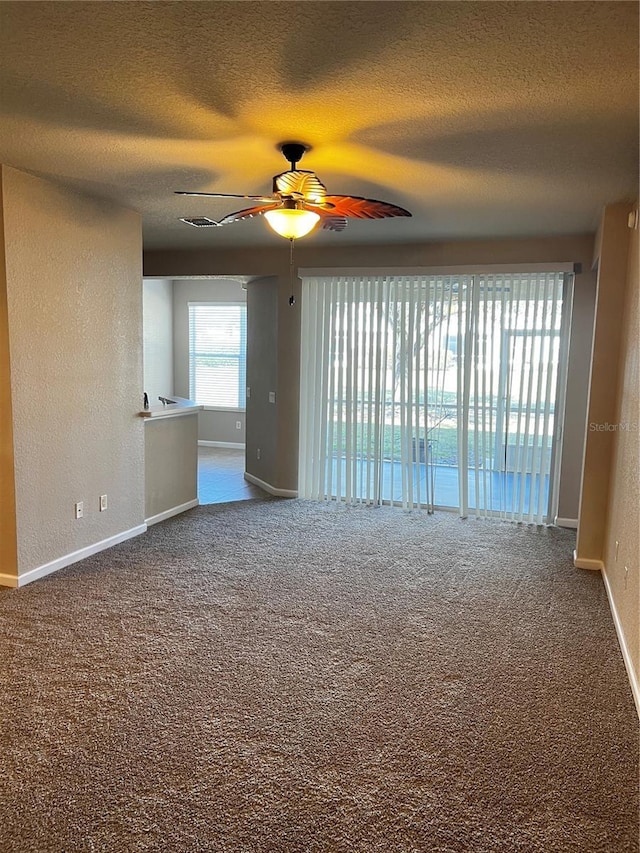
{"points": [[221, 476]]}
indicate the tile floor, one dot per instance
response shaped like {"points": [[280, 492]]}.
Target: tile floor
{"points": [[499, 491], [221, 477], [221, 480]]}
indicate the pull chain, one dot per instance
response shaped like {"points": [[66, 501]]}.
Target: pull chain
{"points": [[292, 298]]}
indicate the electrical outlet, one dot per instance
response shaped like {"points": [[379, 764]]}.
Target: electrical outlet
{"points": [[258, 453], [238, 424], [248, 393], [272, 396], [617, 547], [79, 509], [103, 503]]}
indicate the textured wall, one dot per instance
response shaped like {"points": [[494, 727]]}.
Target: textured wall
{"points": [[171, 462], [612, 256], [75, 328], [213, 425], [8, 542], [157, 323], [273, 261], [623, 518], [263, 370]]}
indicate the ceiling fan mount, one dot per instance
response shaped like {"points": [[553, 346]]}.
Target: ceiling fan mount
{"points": [[293, 152]]}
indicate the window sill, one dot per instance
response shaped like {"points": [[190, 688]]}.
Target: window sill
{"points": [[221, 409]]}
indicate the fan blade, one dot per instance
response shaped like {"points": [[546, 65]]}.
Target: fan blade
{"points": [[306, 185], [261, 198], [247, 213], [356, 207]]}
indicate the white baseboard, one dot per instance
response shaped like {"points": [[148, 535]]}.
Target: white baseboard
{"points": [[169, 513], [567, 522], [633, 678], [592, 565], [272, 490], [68, 559], [234, 444]]}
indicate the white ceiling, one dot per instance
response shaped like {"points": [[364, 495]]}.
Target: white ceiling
{"points": [[483, 119]]}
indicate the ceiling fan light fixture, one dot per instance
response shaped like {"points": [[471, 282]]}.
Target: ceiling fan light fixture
{"points": [[291, 223]]}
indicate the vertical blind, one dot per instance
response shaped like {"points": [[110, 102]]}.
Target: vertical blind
{"points": [[510, 398], [218, 354], [417, 388]]}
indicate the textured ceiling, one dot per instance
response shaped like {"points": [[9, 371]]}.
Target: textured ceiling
{"points": [[483, 119]]}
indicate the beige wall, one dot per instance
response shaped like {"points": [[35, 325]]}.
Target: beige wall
{"points": [[157, 325], [213, 425], [611, 257], [74, 296], [262, 377], [281, 431], [623, 511], [171, 463], [8, 541]]}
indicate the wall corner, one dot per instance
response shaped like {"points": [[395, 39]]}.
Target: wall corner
{"points": [[8, 531]]}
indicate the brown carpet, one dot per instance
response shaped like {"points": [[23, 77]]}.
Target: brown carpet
{"points": [[298, 678]]}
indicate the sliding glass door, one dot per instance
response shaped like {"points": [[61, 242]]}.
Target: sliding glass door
{"points": [[514, 375], [432, 390]]}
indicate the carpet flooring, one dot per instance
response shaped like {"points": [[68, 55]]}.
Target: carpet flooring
{"points": [[286, 677]]}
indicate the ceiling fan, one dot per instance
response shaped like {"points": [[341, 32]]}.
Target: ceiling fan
{"points": [[298, 202]]}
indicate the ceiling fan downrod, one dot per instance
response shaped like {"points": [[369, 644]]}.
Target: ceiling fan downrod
{"points": [[293, 152]]}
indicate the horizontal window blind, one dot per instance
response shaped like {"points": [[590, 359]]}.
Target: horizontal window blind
{"points": [[218, 354]]}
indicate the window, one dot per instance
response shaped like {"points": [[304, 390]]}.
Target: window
{"points": [[218, 354]]}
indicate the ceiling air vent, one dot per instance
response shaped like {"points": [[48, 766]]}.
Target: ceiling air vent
{"points": [[200, 222]]}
